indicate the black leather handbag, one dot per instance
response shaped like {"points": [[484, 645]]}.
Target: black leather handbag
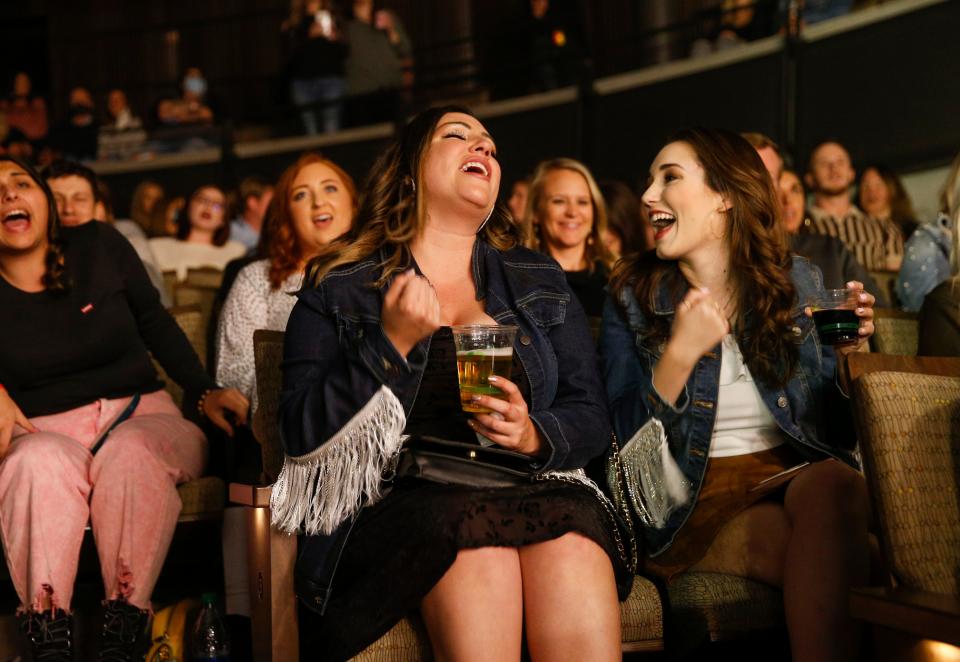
{"points": [[459, 463]]}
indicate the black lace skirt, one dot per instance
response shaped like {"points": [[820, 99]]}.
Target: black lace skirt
{"points": [[401, 547]]}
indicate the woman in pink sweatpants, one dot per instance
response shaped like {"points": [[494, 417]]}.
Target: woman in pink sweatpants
{"points": [[51, 487], [80, 321]]}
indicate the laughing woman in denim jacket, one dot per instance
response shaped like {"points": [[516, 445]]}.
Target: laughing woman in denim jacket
{"points": [[369, 357], [709, 336]]}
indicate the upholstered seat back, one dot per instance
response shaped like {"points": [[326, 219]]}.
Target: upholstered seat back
{"points": [[895, 334], [268, 354], [910, 439]]}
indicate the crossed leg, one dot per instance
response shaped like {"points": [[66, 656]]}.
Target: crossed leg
{"points": [[815, 545]]}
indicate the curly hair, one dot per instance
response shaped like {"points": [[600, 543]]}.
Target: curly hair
{"points": [[760, 260], [55, 276], [595, 250], [283, 250], [392, 212], [222, 233]]}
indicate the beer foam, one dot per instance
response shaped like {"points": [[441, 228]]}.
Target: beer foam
{"points": [[492, 351]]}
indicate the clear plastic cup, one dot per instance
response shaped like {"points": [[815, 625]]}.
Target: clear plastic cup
{"points": [[482, 350], [834, 313]]}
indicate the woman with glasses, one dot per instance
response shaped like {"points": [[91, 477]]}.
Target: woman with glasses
{"points": [[202, 235]]}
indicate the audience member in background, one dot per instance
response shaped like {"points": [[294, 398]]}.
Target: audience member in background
{"points": [[24, 110], [930, 252], [316, 201], [81, 296], [122, 136], [191, 108], [379, 64], [202, 238], [517, 202], [769, 153], [881, 195], [708, 335], [254, 196], [81, 197], [17, 145], [76, 137], [146, 196], [566, 218], [625, 233], [369, 356], [734, 22], [119, 115], [317, 50], [166, 214], [837, 264], [877, 243]]}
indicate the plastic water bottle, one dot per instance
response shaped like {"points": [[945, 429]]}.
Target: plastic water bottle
{"points": [[210, 642]]}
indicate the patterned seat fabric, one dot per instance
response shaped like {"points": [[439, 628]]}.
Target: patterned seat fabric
{"points": [[203, 496], [708, 605], [910, 440], [894, 335]]}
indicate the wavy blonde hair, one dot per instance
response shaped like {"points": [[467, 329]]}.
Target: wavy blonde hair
{"points": [[392, 211], [595, 250]]}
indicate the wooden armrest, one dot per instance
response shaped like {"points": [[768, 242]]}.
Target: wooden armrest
{"points": [[255, 496], [927, 615]]}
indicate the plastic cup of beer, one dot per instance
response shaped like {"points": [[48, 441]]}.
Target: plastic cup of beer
{"points": [[482, 350], [835, 317]]}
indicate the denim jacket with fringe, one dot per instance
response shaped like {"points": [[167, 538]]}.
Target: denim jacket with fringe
{"points": [[347, 392], [810, 409]]}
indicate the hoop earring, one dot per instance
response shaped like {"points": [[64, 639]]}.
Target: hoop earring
{"points": [[486, 219]]}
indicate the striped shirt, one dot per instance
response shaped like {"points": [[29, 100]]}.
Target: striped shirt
{"points": [[875, 242]]}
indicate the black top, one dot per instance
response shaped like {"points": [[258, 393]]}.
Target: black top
{"points": [[61, 351], [436, 411], [589, 288]]}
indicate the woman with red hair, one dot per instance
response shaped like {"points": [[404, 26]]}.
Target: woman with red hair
{"points": [[314, 204]]}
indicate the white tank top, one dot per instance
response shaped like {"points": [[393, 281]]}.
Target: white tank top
{"points": [[743, 424]]}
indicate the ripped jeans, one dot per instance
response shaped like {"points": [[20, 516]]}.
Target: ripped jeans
{"points": [[51, 487]]}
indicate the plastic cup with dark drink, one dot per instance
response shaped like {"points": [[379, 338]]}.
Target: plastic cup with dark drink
{"points": [[482, 350], [835, 317]]}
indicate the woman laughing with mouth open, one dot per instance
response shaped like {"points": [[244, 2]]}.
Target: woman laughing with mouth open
{"points": [[709, 336], [369, 358], [87, 433]]}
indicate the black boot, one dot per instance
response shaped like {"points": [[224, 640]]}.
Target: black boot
{"points": [[50, 634], [122, 626]]}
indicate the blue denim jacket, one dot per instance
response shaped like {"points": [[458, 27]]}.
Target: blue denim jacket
{"points": [[801, 408], [336, 357]]}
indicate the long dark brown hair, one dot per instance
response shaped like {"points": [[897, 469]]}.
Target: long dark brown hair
{"points": [[220, 235], [283, 250], [55, 276], [759, 258], [392, 211], [901, 209]]}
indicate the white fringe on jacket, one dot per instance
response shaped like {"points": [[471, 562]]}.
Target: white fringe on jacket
{"points": [[316, 492]]}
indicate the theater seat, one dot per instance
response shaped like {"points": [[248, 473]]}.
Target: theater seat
{"points": [[709, 606], [908, 421], [897, 332]]}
